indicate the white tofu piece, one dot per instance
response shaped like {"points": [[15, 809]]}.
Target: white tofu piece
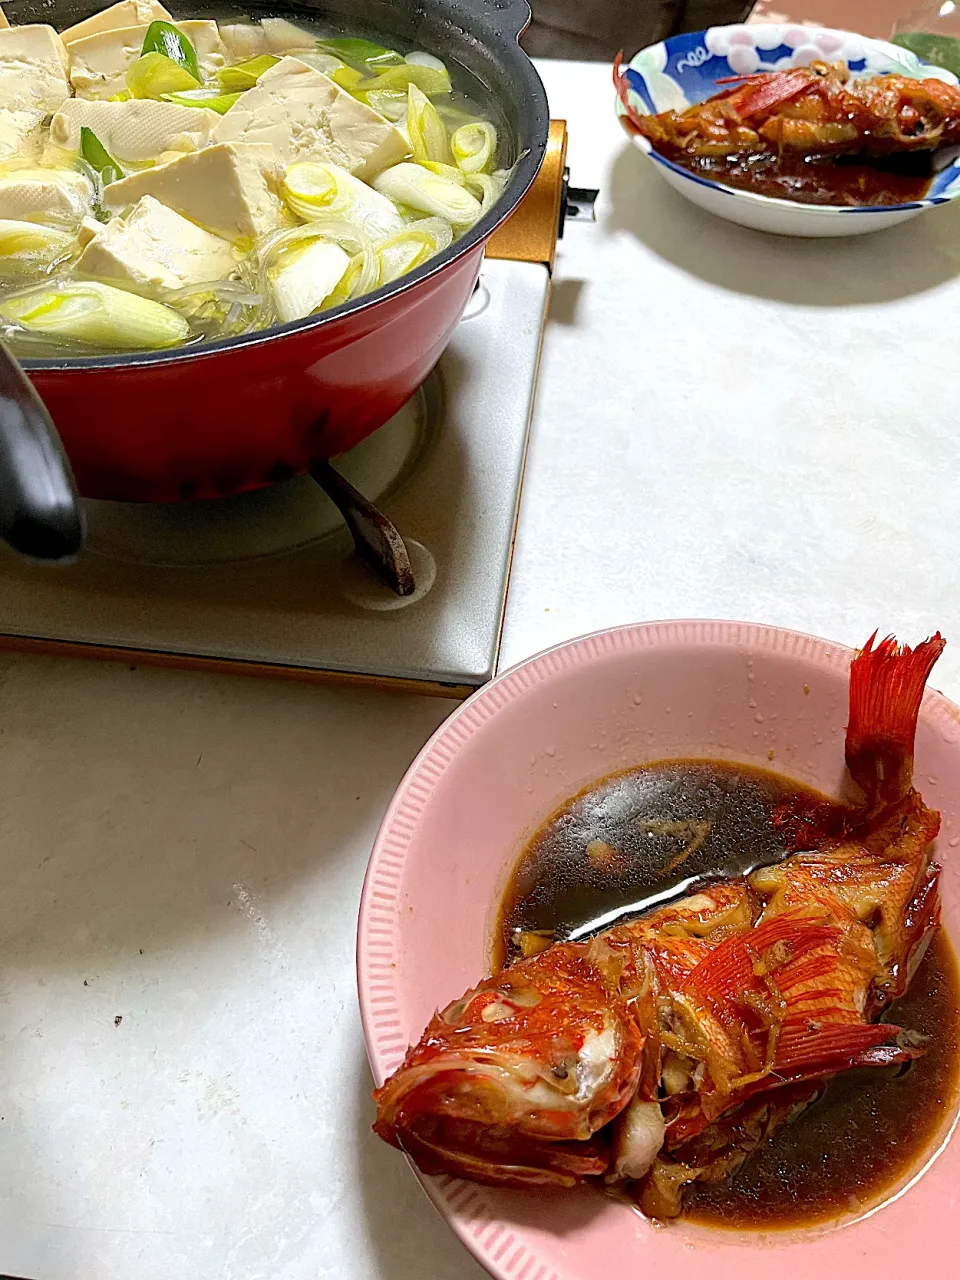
{"points": [[153, 250], [89, 228], [243, 40], [305, 277], [283, 37], [246, 40], [3, 20], [33, 69], [20, 134], [230, 189], [128, 13], [138, 130], [303, 115], [60, 197], [99, 63]]}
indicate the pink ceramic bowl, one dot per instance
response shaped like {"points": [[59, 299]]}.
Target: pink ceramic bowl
{"points": [[490, 775]]}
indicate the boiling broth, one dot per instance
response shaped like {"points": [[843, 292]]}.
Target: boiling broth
{"points": [[649, 832]]}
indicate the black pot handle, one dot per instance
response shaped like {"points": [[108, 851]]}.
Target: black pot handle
{"points": [[40, 514], [515, 18]]}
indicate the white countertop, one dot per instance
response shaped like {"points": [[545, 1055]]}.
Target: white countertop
{"points": [[728, 425]]}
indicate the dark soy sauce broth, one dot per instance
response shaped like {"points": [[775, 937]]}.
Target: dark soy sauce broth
{"points": [[645, 831], [846, 181]]}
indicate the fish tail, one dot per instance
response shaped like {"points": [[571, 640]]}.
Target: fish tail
{"points": [[886, 686]]}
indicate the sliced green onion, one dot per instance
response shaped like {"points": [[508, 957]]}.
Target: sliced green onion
{"points": [[305, 275], [427, 79], [331, 228], [154, 74], [29, 246], [425, 129], [314, 189], [346, 77], [244, 75], [165, 38], [448, 171], [122, 96], [417, 187], [412, 247], [488, 188], [474, 146], [453, 116], [421, 59], [98, 157], [361, 53], [324, 62], [221, 308], [96, 314], [285, 37], [389, 103], [347, 288], [212, 99]]}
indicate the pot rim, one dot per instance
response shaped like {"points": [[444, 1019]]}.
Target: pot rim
{"points": [[525, 170]]}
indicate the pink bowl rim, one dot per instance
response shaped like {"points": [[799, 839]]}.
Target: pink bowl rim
{"points": [[458, 1201]]}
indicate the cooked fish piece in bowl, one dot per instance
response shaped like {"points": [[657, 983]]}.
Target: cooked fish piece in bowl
{"points": [[660, 929], [801, 131]]}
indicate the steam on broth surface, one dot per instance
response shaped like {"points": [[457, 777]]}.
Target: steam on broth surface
{"points": [[167, 181]]}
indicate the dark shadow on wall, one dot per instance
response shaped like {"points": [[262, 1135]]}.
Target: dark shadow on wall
{"points": [[596, 30]]}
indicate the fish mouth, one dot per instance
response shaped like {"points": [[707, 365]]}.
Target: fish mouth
{"points": [[497, 1155], [494, 1089]]}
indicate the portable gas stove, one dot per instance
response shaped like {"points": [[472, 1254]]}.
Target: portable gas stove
{"points": [[388, 567]]}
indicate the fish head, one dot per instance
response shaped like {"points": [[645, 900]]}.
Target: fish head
{"points": [[546, 1052]]}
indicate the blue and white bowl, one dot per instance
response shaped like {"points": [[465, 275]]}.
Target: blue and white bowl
{"points": [[686, 69]]}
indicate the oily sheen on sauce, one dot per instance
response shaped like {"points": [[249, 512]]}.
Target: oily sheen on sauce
{"points": [[642, 832]]}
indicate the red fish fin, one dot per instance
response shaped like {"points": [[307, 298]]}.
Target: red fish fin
{"points": [[886, 686], [728, 970], [773, 91], [804, 1053]]}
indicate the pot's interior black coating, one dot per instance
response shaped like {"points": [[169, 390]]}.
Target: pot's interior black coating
{"points": [[478, 41]]}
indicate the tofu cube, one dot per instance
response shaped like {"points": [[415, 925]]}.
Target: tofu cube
{"points": [[230, 189], [20, 135], [60, 197], [33, 69], [98, 63], [153, 250], [128, 13], [135, 131], [303, 115]]}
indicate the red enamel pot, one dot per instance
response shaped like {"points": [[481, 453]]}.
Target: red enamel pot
{"points": [[226, 417]]}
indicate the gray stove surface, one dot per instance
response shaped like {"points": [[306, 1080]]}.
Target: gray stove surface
{"points": [[269, 581]]}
